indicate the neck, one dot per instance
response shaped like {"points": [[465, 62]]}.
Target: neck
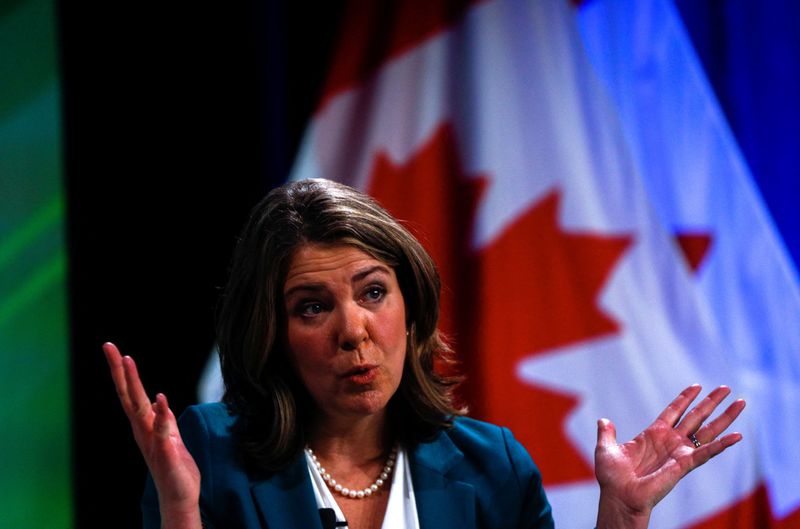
{"points": [[363, 438]]}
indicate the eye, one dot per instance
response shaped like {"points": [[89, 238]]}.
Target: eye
{"points": [[374, 293], [310, 309]]}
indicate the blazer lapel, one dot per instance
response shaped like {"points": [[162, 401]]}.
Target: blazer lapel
{"points": [[443, 502], [286, 499]]}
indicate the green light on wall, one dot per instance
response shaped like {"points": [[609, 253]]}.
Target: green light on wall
{"points": [[34, 439]]}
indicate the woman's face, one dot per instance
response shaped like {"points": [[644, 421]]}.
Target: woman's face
{"points": [[346, 329]]}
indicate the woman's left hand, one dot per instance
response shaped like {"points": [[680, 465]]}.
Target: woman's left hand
{"points": [[636, 475]]}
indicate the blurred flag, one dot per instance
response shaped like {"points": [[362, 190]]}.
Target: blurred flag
{"points": [[589, 269], [701, 187]]}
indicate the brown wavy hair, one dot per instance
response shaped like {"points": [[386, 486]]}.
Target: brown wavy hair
{"points": [[261, 388]]}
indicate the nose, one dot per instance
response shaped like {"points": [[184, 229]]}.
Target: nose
{"points": [[353, 327]]}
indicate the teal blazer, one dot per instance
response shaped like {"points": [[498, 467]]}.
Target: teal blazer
{"points": [[472, 476]]}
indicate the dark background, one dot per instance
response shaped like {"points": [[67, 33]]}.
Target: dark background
{"points": [[178, 118]]}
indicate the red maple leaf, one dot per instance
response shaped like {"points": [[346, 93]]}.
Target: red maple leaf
{"points": [[532, 289]]}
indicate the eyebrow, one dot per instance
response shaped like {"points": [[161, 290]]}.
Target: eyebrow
{"points": [[372, 269], [318, 287]]}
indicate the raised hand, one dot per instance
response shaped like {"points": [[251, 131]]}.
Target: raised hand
{"points": [[636, 475], [155, 429]]}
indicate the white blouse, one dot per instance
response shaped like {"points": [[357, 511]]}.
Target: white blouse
{"points": [[401, 512]]}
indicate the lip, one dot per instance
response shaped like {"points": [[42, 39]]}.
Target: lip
{"points": [[363, 374]]}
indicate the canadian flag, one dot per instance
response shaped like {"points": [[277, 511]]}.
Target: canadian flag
{"points": [[600, 241]]}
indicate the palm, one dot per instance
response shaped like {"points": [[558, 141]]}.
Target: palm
{"points": [[174, 471], [639, 473], [155, 429]]}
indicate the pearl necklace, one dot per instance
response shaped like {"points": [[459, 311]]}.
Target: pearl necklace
{"points": [[352, 493]]}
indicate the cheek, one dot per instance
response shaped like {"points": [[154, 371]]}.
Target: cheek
{"points": [[304, 338], [393, 330], [306, 352]]}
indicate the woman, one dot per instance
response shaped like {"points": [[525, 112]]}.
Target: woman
{"points": [[333, 411]]}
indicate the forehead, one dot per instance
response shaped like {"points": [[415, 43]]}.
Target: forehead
{"points": [[313, 262]]}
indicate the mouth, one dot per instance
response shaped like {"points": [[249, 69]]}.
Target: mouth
{"points": [[363, 374]]}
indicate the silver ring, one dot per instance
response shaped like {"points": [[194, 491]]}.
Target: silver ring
{"points": [[694, 441]]}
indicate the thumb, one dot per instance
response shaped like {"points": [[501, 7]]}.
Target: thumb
{"points": [[164, 419], [606, 433]]}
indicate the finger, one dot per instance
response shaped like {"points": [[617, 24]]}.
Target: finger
{"points": [[140, 406], [714, 448], [114, 359], [710, 431], [606, 433], [677, 407], [697, 416]]}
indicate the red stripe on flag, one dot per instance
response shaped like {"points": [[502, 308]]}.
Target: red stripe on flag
{"points": [[749, 512], [374, 32]]}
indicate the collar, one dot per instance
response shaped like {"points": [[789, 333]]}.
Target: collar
{"points": [[286, 498], [443, 501]]}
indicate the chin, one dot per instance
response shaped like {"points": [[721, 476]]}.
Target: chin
{"points": [[369, 403]]}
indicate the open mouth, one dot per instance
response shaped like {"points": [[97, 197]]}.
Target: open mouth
{"points": [[361, 374]]}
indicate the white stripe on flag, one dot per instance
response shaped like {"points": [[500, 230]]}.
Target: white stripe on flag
{"points": [[697, 178]]}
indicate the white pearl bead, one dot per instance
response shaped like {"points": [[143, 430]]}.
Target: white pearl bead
{"points": [[363, 493]]}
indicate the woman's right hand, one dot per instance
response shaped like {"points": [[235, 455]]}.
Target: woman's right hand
{"points": [[174, 472]]}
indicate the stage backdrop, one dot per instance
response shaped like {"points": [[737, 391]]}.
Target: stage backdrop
{"points": [[35, 438]]}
